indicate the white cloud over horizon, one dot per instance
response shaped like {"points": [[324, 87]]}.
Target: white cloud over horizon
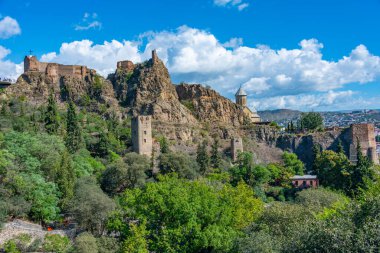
{"points": [[9, 27], [294, 78]]}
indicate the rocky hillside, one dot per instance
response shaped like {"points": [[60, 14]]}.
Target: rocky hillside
{"points": [[143, 88], [93, 92], [280, 115], [147, 89], [208, 105]]}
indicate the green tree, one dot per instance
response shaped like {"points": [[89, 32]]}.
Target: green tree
{"points": [[340, 148], [86, 243], [311, 121], [164, 145], [129, 172], [203, 158], [243, 171], [73, 131], [215, 158], [56, 243], [181, 163], [362, 171], [292, 163], [186, 216], [333, 170], [51, 117], [90, 206], [136, 241], [66, 179], [103, 145]]}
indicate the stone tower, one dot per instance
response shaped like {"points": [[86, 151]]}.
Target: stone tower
{"points": [[142, 135], [236, 147], [241, 100], [31, 63], [241, 97], [154, 56], [363, 134]]}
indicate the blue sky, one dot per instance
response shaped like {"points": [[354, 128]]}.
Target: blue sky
{"points": [[308, 55]]}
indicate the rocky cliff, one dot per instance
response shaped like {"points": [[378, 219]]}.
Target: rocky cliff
{"points": [[207, 105], [147, 89], [91, 92]]}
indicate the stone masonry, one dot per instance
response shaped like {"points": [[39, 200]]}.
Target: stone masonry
{"points": [[236, 147], [241, 100], [125, 65], [54, 70], [142, 135], [363, 134]]}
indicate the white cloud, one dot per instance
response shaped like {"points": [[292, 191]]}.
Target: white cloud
{"points": [[89, 22], [233, 43], [9, 69], [102, 57], [275, 78], [9, 27], [239, 4], [242, 6], [303, 102]]}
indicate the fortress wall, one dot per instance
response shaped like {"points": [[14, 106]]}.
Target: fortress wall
{"points": [[363, 135], [42, 66], [53, 69], [65, 70]]}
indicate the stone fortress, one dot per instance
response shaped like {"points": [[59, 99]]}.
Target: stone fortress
{"points": [[357, 134], [54, 70]]}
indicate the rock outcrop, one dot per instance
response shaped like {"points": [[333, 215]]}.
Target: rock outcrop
{"points": [[148, 90], [208, 105], [34, 87]]}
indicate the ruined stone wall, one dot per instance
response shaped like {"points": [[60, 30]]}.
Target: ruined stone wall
{"points": [[53, 69], [363, 135], [142, 135], [125, 65]]}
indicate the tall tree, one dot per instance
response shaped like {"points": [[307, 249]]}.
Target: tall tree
{"points": [[311, 121], [164, 145], [103, 145], [73, 131], [203, 158], [51, 117], [66, 179], [362, 171], [340, 148], [216, 158]]}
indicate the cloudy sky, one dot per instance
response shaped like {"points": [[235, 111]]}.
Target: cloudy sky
{"points": [[306, 55]]}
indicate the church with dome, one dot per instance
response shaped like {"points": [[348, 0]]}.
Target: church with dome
{"points": [[241, 100]]}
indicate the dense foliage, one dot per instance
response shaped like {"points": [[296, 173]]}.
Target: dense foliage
{"points": [[62, 163]]}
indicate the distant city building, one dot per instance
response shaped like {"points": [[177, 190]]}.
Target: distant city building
{"points": [[305, 181]]}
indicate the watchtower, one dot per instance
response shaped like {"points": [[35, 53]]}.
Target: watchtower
{"points": [[154, 56], [241, 97], [363, 135], [142, 135], [236, 147]]}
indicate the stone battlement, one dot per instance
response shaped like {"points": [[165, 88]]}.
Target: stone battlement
{"points": [[54, 70]]}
